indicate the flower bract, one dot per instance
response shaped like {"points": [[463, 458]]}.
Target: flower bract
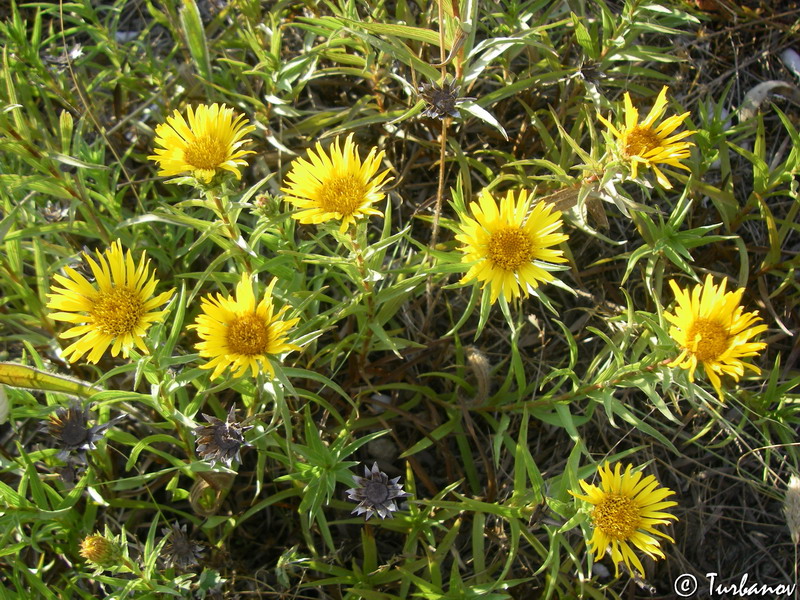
{"points": [[335, 185], [116, 310], [510, 248], [207, 142], [712, 329], [240, 333], [650, 144], [626, 509]]}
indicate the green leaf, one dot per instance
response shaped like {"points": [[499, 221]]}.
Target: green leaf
{"points": [[443, 430], [481, 113], [196, 38], [584, 38], [30, 378], [418, 34]]}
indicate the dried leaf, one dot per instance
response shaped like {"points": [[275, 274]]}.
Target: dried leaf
{"points": [[756, 97]]}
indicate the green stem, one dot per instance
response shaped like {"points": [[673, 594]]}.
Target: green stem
{"points": [[138, 572], [368, 547], [443, 144], [166, 407], [369, 295], [220, 207], [437, 211]]}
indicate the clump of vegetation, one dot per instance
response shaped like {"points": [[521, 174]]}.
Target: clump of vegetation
{"points": [[477, 251]]}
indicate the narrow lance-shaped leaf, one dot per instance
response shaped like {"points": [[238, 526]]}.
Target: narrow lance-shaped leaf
{"points": [[21, 376], [196, 38]]}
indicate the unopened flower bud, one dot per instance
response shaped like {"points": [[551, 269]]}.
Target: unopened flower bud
{"points": [[100, 551]]}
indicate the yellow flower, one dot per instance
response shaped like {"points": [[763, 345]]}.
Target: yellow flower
{"points": [[208, 143], [509, 248], [649, 144], [336, 185], [626, 510], [712, 328], [119, 308], [239, 333]]}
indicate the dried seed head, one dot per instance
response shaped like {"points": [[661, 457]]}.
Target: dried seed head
{"points": [[53, 213], [221, 441], [441, 100], [376, 493], [591, 72], [69, 427], [180, 551]]}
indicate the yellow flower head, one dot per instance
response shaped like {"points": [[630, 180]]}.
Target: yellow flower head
{"points": [[238, 333], [118, 308], [712, 328], [337, 185], [208, 143], [100, 551], [509, 247], [626, 510], [649, 144]]}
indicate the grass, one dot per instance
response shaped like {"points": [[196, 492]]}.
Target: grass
{"points": [[488, 413]]}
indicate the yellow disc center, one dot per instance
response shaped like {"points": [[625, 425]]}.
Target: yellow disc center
{"points": [[117, 311], [343, 194], [510, 248], [639, 141], [617, 516], [205, 152], [248, 335], [709, 338]]}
